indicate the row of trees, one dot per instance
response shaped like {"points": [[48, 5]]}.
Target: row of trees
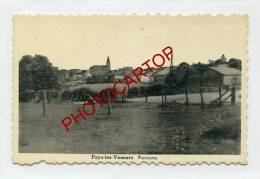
{"points": [[233, 62]]}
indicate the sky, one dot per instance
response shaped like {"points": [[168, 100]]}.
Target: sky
{"points": [[82, 41]]}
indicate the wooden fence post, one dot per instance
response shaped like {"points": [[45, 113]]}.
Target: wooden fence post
{"points": [[162, 99], [186, 94], [44, 103], [108, 108], [219, 91], [201, 97], [108, 105], [165, 96], [233, 95], [126, 97], [219, 88], [60, 97]]}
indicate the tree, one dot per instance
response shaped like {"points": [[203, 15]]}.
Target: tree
{"points": [[185, 80], [36, 73], [195, 76], [178, 78], [234, 63], [25, 73], [211, 62], [44, 75], [171, 80], [221, 61]]}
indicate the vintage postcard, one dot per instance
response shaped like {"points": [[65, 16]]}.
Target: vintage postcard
{"points": [[155, 89]]}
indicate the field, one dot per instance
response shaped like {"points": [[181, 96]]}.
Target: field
{"points": [[132, 127], [97, 87]]}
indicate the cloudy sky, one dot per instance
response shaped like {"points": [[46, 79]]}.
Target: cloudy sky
{"points": [[82, 41]]}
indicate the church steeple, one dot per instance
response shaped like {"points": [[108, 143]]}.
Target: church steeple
{"points": [[108, 64]]}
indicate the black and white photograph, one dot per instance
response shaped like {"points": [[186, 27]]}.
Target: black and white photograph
{"points": [[130, 88]]}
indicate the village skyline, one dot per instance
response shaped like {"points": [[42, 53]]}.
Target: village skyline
{"points": [[105, 74], [176, 62]]}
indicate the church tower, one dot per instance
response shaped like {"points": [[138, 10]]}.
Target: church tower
{"points": [[223, 58], [108, 64]]}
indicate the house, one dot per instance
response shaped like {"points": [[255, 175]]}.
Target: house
{"points": [[119, 77], [71, 83], [73, 72], [125, 70], [87, 74], [64, 73], [227, 76], [120, 73]]}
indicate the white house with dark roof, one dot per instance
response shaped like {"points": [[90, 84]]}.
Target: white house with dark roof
{"points": [[227, 76]]}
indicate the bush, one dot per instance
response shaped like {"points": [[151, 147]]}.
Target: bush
{"points": [[26, 97], [137, 92], [133, 92], [81, 94], [66, 95], [155, 89]]}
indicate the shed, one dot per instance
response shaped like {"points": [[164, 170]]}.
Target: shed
{"points": [[228, 76]]}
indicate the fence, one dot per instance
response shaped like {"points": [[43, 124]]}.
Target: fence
{"points": [[64, 96], [203, 96]]}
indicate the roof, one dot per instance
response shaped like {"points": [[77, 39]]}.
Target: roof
{"points": [[163, 71], [98, 67], [119, 77], [75, 69], [227, 71]]}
